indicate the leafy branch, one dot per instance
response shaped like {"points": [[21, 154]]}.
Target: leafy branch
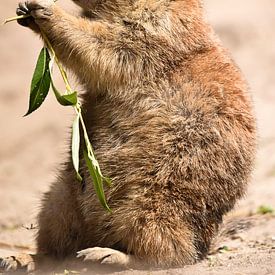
{"points": [[41, 81]]}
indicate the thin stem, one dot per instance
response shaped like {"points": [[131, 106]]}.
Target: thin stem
{"points": [[63, 74], [77, 107], [16, 18]]}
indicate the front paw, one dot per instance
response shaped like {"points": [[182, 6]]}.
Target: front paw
{"points": [[26, 22], [39, 10]]}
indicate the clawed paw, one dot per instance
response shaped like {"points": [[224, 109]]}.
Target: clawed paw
{"points": [[8, 264], [38, 9], [22, 262], [105, 256]]}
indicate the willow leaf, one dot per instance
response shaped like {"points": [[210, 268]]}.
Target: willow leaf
{"points": [[41, 80], [95, 162], [107, 180], [75, 146], [97, 180], [64, 100]]}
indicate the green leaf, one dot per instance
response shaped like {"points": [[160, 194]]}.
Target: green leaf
{"points": [[107, 180], [75, 146], [264, 209], [97, 179], [41, 80], [94, 161], [64, 100], [223, 249]]}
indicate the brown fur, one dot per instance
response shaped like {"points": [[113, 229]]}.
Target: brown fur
{"points": [[170, 120]]}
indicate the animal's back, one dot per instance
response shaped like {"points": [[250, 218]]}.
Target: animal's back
{"points": [[180, 154]]}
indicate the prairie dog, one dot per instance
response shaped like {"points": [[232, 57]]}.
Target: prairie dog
{"points": [[171, 122]]}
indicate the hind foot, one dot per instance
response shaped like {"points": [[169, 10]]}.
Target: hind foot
{"points": [[106, 256], [21, 262]]}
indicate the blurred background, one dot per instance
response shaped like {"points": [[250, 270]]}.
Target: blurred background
{"points": [[32, 148]]}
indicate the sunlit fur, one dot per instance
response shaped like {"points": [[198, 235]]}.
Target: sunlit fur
{"points": [[170, 120]]}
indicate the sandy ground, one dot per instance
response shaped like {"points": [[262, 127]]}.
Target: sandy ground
{"points": [[32, 148]]}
